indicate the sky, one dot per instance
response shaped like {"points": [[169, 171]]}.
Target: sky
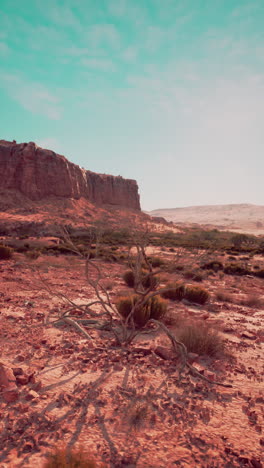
{"points": [[167, 92]]}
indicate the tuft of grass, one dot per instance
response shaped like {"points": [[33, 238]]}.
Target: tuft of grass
{"points": [[174, 292], [64, 458], [236, 269], [156, 262], [196, 294], [201, 339], [252, 301], [138, 414], [154, 308], [5, 252], [147, 281], [223, 296], [214, 265]]}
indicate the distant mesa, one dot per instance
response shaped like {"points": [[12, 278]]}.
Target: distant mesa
{"points": [[244, 216], [39, 173]]}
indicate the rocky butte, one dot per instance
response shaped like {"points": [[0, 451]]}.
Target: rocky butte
{"points": [[39, 173]]}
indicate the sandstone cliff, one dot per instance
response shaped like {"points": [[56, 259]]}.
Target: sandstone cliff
{"points": [[38, 173]]}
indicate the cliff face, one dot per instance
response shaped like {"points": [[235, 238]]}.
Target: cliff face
{"points": [[39, 173]]}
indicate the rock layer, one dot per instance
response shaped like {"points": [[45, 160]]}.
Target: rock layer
{"points": [[40, 173]]}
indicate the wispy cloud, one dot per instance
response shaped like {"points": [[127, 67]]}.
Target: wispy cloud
{"points": [[101, 35], [49, 143], [98, 64], [32, 96], [4, 49]]}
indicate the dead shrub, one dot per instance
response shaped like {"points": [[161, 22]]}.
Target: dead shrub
{"points": [[6, 253], [214, 265], [200, 338], [196, 294], [64, 458]]}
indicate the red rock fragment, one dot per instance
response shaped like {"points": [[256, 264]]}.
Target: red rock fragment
{"points": [[8, 387], [164, 353], [22, 379], [248, 335], [31, 395], [17, 371]]}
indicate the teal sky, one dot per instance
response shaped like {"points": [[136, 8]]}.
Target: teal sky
{"points": [[167, 92]]}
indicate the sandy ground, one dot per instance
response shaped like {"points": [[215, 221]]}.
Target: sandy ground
{"points": [[76, 391]]}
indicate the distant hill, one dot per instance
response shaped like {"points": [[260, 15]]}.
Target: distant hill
{"points": [[241, 217]]}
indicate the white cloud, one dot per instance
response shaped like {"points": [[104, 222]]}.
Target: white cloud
{"points": [[130, 54], [32, 96]]}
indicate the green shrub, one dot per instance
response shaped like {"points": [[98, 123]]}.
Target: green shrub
{"points": [[154, 308], [5, 252], [63, 458], [196, 294], [200, 338], [174, 291]]}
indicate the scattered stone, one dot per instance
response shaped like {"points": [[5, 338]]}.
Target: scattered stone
{"points": [[164, 353], [248, 335], [17, 371], [31, 395], [22, 379]]}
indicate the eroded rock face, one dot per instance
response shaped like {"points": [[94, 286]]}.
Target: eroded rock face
{"points": [[40, 173]]}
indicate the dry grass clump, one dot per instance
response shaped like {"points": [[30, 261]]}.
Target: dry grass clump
{"points": [[223, 296], [146, 280], [236, 269], [194, 275], [154, 308], [138, 414], [214, 265], [156, 262], [174, 291], [252, 301], [63, 458], [259, 273], [5, 252], [200, 338], [196, 294]]}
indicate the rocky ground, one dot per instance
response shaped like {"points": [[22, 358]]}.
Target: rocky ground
{"points": [[126, 406]]}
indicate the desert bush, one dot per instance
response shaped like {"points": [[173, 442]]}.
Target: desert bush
{"points": [[138, 414], [196, 294], [146, 280], [156, 262], [129, 278], [195, 275], [259, 273], [236, 269], [174, 291], [223, 296], [32, 254], [200, 338], [155, 308], [5, 252], [214, 265], [63, 458], [252, 301]]}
